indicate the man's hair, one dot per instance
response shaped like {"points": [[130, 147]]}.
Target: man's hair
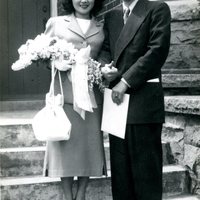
{"points": [[69, 8]]}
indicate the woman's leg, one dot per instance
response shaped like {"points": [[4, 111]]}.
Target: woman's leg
{"points": [[67, 183], [81, 187]]}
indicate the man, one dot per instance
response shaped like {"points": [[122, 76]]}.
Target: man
{"points": [[139, 46]]}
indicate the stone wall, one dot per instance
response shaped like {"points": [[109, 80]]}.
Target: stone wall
{"points": [[182, 68], [182, 132], [181, 76]]}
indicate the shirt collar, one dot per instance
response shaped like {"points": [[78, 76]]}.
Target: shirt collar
{"points": [[131, 6]]}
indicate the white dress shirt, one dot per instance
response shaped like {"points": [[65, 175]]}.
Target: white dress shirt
{"points": [[131, 6], [84, 24]]}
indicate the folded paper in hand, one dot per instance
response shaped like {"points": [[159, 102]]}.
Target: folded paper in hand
{"points": [[114, 116]]}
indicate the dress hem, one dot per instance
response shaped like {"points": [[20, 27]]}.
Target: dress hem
{"points": [[59, 173]]}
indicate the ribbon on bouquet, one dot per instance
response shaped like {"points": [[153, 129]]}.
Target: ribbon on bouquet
{"points": [[84, 99]]}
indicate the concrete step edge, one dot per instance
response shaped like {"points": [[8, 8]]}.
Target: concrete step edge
{"points": [[32, 149], [8, 118], [18, 105], [8, 181], [173, 168], [27, 180], [22, 149], [40, 148], [37, 179], [183, 197]]}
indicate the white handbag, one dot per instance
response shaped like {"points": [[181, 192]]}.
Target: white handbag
{"points": [[51, 123]]}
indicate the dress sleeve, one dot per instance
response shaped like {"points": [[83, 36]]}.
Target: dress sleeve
{"points": [[105, 53], [50, 27]]}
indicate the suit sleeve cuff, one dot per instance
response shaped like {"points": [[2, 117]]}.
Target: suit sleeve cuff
{"points": [[123, 80]]}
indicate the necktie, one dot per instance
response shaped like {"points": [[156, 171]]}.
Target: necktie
{"points": [[126, 14]]}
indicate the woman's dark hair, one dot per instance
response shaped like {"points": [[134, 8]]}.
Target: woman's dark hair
{"points": [[69, 9]]}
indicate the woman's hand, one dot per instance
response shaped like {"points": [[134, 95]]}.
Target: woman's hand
{"points": [[109, 72], [62, 65]]}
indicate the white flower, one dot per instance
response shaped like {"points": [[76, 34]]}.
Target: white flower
{"points": [[45, 54], [21, 64], [23, 50]]}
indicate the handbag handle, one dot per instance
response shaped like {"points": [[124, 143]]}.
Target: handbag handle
{"points": [[53, 75]]}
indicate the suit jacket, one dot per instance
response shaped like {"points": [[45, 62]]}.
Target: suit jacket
{"points": [[139, 49], [67, 27]]}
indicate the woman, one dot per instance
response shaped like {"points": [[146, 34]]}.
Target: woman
{"points": [[82, 155]]}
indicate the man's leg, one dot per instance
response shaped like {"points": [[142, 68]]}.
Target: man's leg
{"points": [[120, 171], [145, 150]]}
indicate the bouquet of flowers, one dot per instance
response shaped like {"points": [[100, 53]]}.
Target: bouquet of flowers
{"points": [[44, 47]]}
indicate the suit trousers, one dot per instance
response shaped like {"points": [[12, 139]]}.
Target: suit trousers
{"points": [[136, 163]]}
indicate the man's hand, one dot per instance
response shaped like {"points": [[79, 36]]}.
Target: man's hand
{"points": [[118, 92], [109, 72]]}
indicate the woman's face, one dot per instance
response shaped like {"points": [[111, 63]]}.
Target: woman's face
{"points": [[83, 8]]}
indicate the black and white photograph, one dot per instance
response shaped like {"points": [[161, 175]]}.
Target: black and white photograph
{"points": [[99, 99]]}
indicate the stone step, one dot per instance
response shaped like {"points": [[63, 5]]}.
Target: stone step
{"points": [[18, 135], [21, 135], [42, 188], [22, 161], [29, 160], [16, 129], [21, 105], [183, 104], [39, 188], [175, 180], [17, 138]]}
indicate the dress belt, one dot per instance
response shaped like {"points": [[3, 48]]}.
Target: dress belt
{"points": [[154, 80]]}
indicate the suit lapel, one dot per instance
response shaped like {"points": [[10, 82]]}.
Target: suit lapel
{"points": [[94, 27], [74, 26], [129, 30], [118, 24]]}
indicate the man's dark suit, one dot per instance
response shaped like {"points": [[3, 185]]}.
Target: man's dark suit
{"points": [[139, 49]]}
